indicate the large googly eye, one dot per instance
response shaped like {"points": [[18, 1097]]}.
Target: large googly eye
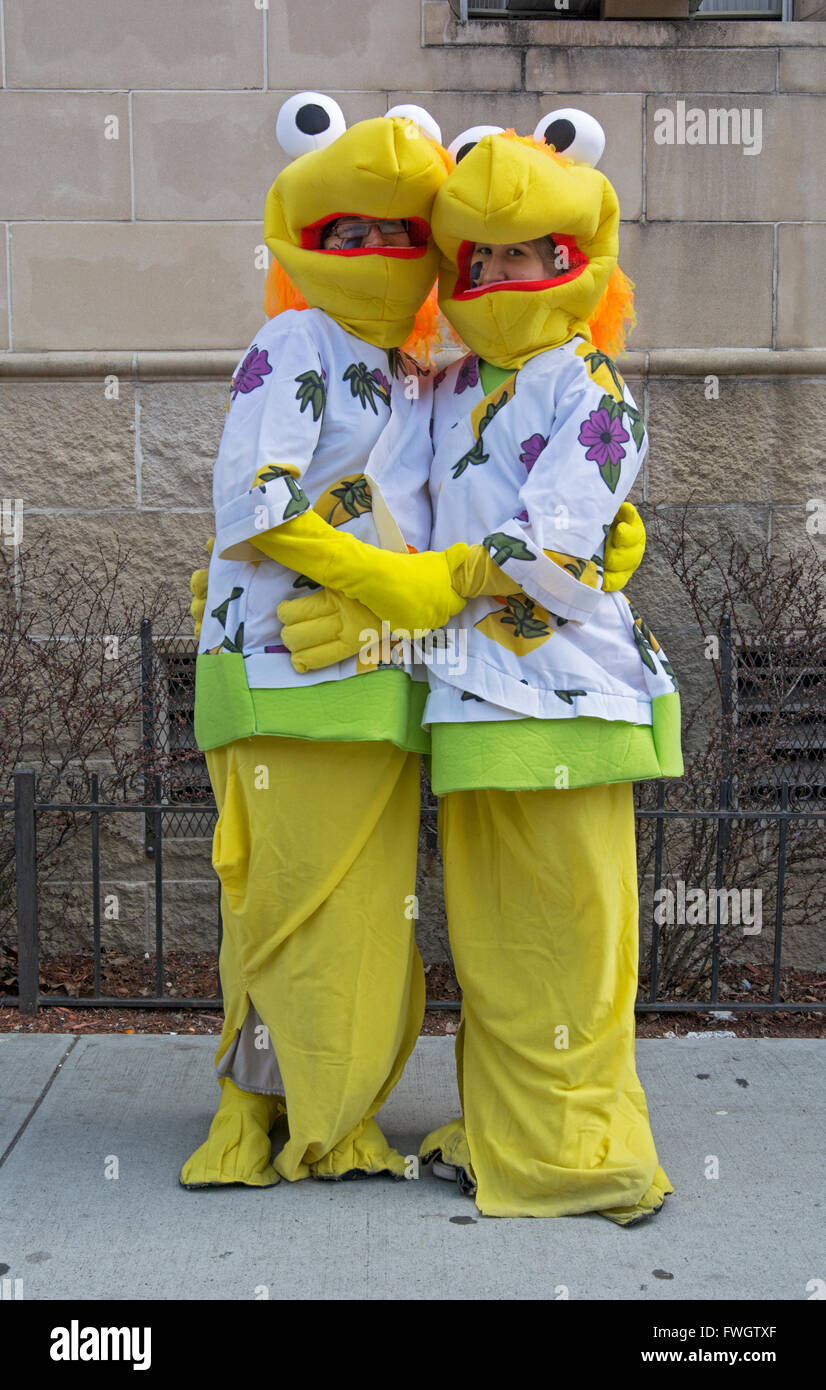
{"points": [[463, 144], [573, 133], [421, 118], [308, 121]]}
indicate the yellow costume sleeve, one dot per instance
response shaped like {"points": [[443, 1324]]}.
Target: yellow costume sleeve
{"points": [[326, 627], [407, 591], [624, 548]]}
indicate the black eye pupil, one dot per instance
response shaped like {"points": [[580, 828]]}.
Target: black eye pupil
{"points": [[560, 134], [466, 149], [312, 119]]}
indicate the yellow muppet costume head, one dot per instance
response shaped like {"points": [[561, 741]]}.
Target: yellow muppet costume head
{"points": [[389, 168], [508, 189]]}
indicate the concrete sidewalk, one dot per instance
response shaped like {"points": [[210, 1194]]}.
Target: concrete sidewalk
{"points": [[69, 1104]]}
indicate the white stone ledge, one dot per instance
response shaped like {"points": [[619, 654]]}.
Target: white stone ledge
{"points": [[214, 365], [439, 27]]}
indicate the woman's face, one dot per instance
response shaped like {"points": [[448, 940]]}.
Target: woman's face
{"points": [[521, 260]]}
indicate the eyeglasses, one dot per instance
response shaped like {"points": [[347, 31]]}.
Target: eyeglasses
{"points": [[350, 234]]}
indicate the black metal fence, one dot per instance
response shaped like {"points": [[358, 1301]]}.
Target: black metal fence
{"points": [[26, 810], [179, 802]]}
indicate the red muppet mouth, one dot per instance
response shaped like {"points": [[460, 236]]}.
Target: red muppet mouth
{"points": [[577, 261], [417, 229]]}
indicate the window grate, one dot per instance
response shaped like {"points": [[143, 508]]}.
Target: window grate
{"points": [[779, 702], [186, 779]]}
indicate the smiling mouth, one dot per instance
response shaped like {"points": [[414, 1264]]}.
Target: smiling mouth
{"points": [[577, 262]]}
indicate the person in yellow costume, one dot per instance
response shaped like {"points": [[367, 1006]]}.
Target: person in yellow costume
{"points": [[567, 699], [316, 773]]}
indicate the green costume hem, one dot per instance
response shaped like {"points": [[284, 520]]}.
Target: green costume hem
{"points": [[375, 706], [531, 754]]}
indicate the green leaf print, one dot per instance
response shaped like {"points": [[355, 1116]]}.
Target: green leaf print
{"points": [[644, 650], [237, 643], [311, 392], [503, 547], [402, 365], [636, 425], [669, 671], [466, 695], [354, 497], [365, 386], [643, 637], [305, 582], [616, 409], [476, 455], [576, 566], [268, 473], [598, 359], [221, 611], [520, 616], [610, 474], [568, 695], [300, 501]]}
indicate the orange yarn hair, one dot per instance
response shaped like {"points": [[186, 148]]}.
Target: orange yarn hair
{"points": [[614, 317]]}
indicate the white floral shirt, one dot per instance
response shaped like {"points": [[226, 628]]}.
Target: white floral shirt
{"points": [[314, 418], [536, 471]]}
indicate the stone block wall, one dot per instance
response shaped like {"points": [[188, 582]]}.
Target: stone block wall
{"points": [[137, 146]]}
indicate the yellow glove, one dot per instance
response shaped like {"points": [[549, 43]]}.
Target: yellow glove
{"points": [[408, 591], [624, 548], [198, 589], [477, 574], [325, 627]]}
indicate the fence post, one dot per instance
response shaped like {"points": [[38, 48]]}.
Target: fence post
{"points": [[25, 852], [148, 729]]}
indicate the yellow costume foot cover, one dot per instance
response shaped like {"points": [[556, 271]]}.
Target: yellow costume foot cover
{"points": [[364, 1153], [649, 1205], [237, 1149], [448, 1146]]}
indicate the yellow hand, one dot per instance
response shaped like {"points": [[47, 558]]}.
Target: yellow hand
{"points": [[624, 548], [477, 574], [408, 591], [325, 627], [198, 589]]}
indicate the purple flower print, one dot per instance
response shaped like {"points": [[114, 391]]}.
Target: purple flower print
{"points": [[275, 647], [251, 372], [378, 375], [468, 374], [603, 434], [521, 516], [531, 449]]}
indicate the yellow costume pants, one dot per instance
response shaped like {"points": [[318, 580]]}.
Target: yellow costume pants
{"points": [[315, 848], [542, 908]]}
